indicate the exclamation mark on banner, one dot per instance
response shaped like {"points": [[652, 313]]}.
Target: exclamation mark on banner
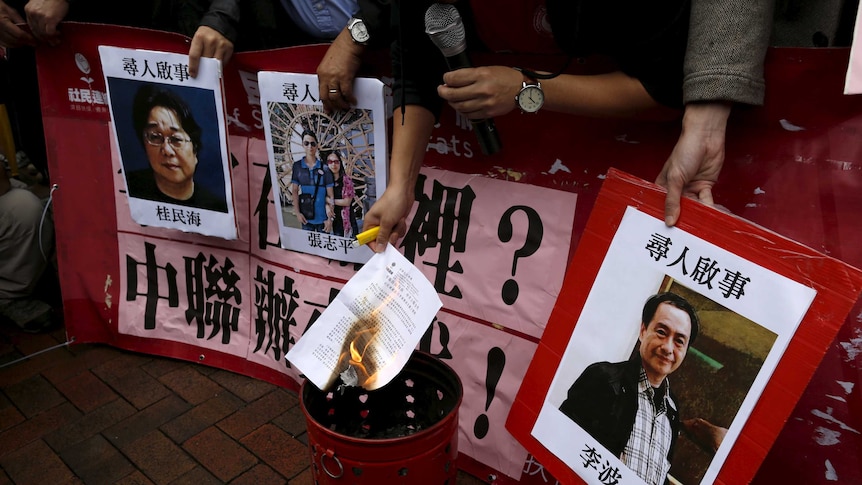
{"points": [[496, 363]]}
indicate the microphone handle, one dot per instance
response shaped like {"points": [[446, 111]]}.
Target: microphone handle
{"points": [[458, 61], [489, 138], [486, 131]]}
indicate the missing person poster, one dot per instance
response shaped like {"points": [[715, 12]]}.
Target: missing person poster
{"points": [[171, 134], [671, 352], [327, 169], [697, 328]]}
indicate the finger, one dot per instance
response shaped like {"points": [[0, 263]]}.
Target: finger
{"points": [[347, 93], [671, 204], [336, 98], [382, 238], [14, 16], [223, 53], [705, 196], [459, 77], [194, 57]]}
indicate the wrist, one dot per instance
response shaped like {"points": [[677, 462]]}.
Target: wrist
{"points": [[706, 116]]}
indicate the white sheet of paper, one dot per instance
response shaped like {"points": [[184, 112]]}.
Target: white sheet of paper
{"points": [[384, 310]]}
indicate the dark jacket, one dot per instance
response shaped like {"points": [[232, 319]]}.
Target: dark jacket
{"points": [[142, 185], [604, 401]]}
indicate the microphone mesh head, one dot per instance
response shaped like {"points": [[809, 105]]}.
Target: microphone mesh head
{"points": [[443, 24]]}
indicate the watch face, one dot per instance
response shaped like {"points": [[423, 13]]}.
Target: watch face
{"points": [[531, 98], [359, 32]]}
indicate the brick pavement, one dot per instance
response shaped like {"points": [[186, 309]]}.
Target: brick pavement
{"points": [[95, 414]]}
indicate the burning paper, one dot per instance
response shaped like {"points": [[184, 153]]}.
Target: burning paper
{"points": [[368, 332]]}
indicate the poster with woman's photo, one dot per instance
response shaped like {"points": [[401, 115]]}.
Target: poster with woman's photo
{"points": [[327, 169], [171, 134]]}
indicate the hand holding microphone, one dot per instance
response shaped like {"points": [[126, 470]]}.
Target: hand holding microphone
{"points": [[444, 26]]}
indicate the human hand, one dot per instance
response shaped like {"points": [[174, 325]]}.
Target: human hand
{"points": [[337, 70], [481, 92], [43, 16], [695, 162], [208, 42], [10, 34], [299, 217], [390, 213]]}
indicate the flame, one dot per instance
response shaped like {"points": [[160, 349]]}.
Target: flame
{"points": [[366, 329]]}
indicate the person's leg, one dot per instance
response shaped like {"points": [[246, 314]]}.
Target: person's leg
{"points": [[23, 239]]}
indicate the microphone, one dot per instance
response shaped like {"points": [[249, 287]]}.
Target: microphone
{"points": [[444, 26]]}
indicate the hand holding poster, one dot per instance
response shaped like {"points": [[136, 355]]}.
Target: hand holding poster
{"points": [[665, 353], [170, 129], [327, 169]]}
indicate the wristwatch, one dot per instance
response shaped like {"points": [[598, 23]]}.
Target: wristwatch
{"points": [[358, 30], [531, 97]]}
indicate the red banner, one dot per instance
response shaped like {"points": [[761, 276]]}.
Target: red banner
{"points": [[792, 166]]}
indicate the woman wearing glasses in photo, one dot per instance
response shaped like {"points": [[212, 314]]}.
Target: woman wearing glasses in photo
{"points": [[344, 223], [172, 141], [311, 188]]}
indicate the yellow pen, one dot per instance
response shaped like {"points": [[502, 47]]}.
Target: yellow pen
{"points": [[366, 237]]}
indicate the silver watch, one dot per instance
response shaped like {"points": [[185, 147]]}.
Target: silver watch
{"points": [[358, 30], [531, 97]]}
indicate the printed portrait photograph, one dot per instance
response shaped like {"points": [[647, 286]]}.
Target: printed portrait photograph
{"points": [[661, 384], [170, 143], [324, 166]]}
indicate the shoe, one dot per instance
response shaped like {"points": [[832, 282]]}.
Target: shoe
{"points": [[30, 315]]}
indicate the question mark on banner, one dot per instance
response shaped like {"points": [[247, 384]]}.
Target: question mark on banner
{"points": [[535, 231], [496, 363]]}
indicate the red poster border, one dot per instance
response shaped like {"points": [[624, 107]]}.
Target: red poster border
{"points": [[838, 286]]}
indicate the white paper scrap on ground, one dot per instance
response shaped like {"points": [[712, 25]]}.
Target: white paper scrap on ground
{"points": [[368, 332]]}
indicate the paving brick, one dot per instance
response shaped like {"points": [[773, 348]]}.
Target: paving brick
{"points": [[121, 363], [9, 416], [206, 369], [258, 475], [246, 388], [221, 455], [29, 345], [159, 458], [144, 421], [34, 395], [279, 450], [33, 365], [36, 427], [96, 461], [35, 463], [84, 357], [191, 385], [197, 476], [135, 478], [137, 387], [292, 421], [89, 424], [256, 413], [304, 478], [86, 391], [162, 366], [201, 417]]}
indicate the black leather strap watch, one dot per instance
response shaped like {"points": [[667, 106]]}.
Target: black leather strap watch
{"points": [[531, 97], [358, 30]]}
